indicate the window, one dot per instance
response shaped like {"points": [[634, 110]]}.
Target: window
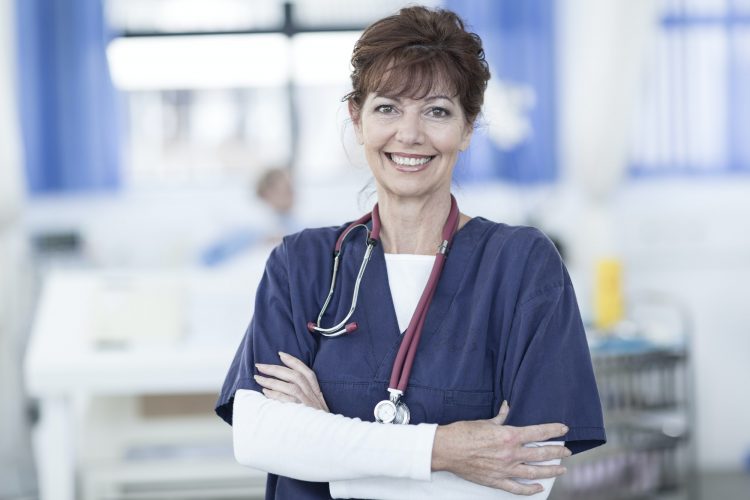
{"points": [[696, 101], [215, 91]]}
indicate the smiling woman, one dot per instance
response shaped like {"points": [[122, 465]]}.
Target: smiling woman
{"points": [[466, 329]]}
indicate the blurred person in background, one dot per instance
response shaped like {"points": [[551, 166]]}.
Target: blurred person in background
{"points": [[276, 191], [275, 188], [467, 329]]}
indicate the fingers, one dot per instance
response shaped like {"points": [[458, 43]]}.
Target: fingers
{"points": [[502, 414], [279, 396], [531, 433], [286, 388], [285, 374], [538, 471], [300, 367], [541, 432], [517, 488], [312, 380], [544, 453], [298, 380]]}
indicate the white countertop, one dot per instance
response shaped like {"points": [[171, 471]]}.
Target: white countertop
{"points": [[127, 332]]}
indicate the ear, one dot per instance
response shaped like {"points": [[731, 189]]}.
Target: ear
{"points": [[354, 114], [466, 139]]}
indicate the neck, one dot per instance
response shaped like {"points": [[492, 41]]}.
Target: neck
{"points": [[413, 226]]}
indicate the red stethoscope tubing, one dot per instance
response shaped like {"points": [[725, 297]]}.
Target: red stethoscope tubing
{"points": [[408, 349]]}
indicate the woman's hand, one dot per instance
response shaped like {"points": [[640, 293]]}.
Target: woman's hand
{"points": [[294, 382], [490, 453]]}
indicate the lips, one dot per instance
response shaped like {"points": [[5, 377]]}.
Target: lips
{"points": [[406, 162]]}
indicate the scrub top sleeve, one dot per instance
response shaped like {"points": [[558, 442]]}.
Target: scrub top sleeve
{"points": [[547, 375], [271, 330]]}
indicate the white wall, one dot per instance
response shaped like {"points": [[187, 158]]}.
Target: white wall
{"points": [[684, 237], [16, 470], [689, 239], [10, 150]]}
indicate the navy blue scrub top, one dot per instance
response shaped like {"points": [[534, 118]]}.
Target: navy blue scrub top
{"points": [[504, 324]]}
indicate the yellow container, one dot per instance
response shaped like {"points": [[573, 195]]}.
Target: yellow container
{"points": [[608, 301]]}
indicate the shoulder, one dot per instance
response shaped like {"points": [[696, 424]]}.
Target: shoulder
{"points": [[313, 237], [525, 241], [526, 256], [307, 245]]}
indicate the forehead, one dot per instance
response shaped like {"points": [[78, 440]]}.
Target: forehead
{"points": [[415, 81]]}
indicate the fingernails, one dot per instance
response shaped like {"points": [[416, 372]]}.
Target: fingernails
{"points": [[563, 470], [283, 354], [505, 404], [564, 429], [568, 452]]}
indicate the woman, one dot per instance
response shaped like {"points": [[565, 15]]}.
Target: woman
{"points": [[493, 362]]}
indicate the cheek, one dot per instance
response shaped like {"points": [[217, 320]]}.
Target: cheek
{"points": [[373, 139], [450, 144], [449, 140]]}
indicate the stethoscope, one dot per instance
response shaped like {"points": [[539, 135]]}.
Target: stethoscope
{"points": [[393, 409]]}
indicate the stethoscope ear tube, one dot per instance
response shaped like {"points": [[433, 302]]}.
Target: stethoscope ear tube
{"points": [[343, 327]]}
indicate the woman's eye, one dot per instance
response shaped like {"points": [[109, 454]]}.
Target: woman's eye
{"points": [[438, 112], [384, 108]]}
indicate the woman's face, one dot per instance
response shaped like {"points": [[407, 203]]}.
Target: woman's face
{"points": [[411, 145]]}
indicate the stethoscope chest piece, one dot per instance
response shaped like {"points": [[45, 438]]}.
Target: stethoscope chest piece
{"points": [[392, 411]]}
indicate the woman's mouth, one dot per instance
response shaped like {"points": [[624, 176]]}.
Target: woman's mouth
{"points": [[409, 162]]}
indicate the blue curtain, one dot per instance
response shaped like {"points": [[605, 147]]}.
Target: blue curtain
{"points": [[67, 101], [519, 41]]}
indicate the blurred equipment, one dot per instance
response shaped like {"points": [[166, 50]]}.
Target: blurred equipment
{"points": [[643, 371]]}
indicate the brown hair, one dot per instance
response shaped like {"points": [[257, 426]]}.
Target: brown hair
{"points": [[416, 51]]}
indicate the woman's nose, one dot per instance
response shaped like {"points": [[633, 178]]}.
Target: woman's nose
{"points": [[410, 129]]}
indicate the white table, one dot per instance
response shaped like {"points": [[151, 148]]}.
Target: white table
{"points": [[63, 363]]}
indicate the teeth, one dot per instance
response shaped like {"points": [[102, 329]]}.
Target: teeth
{"points": [[412, 162]]}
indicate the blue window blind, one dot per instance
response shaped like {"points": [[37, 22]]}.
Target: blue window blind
{"points": [[694, 113], [519, 142]]}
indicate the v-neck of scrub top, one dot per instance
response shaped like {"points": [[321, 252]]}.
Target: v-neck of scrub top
{"points": [[407, 277], [377, 302]]}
